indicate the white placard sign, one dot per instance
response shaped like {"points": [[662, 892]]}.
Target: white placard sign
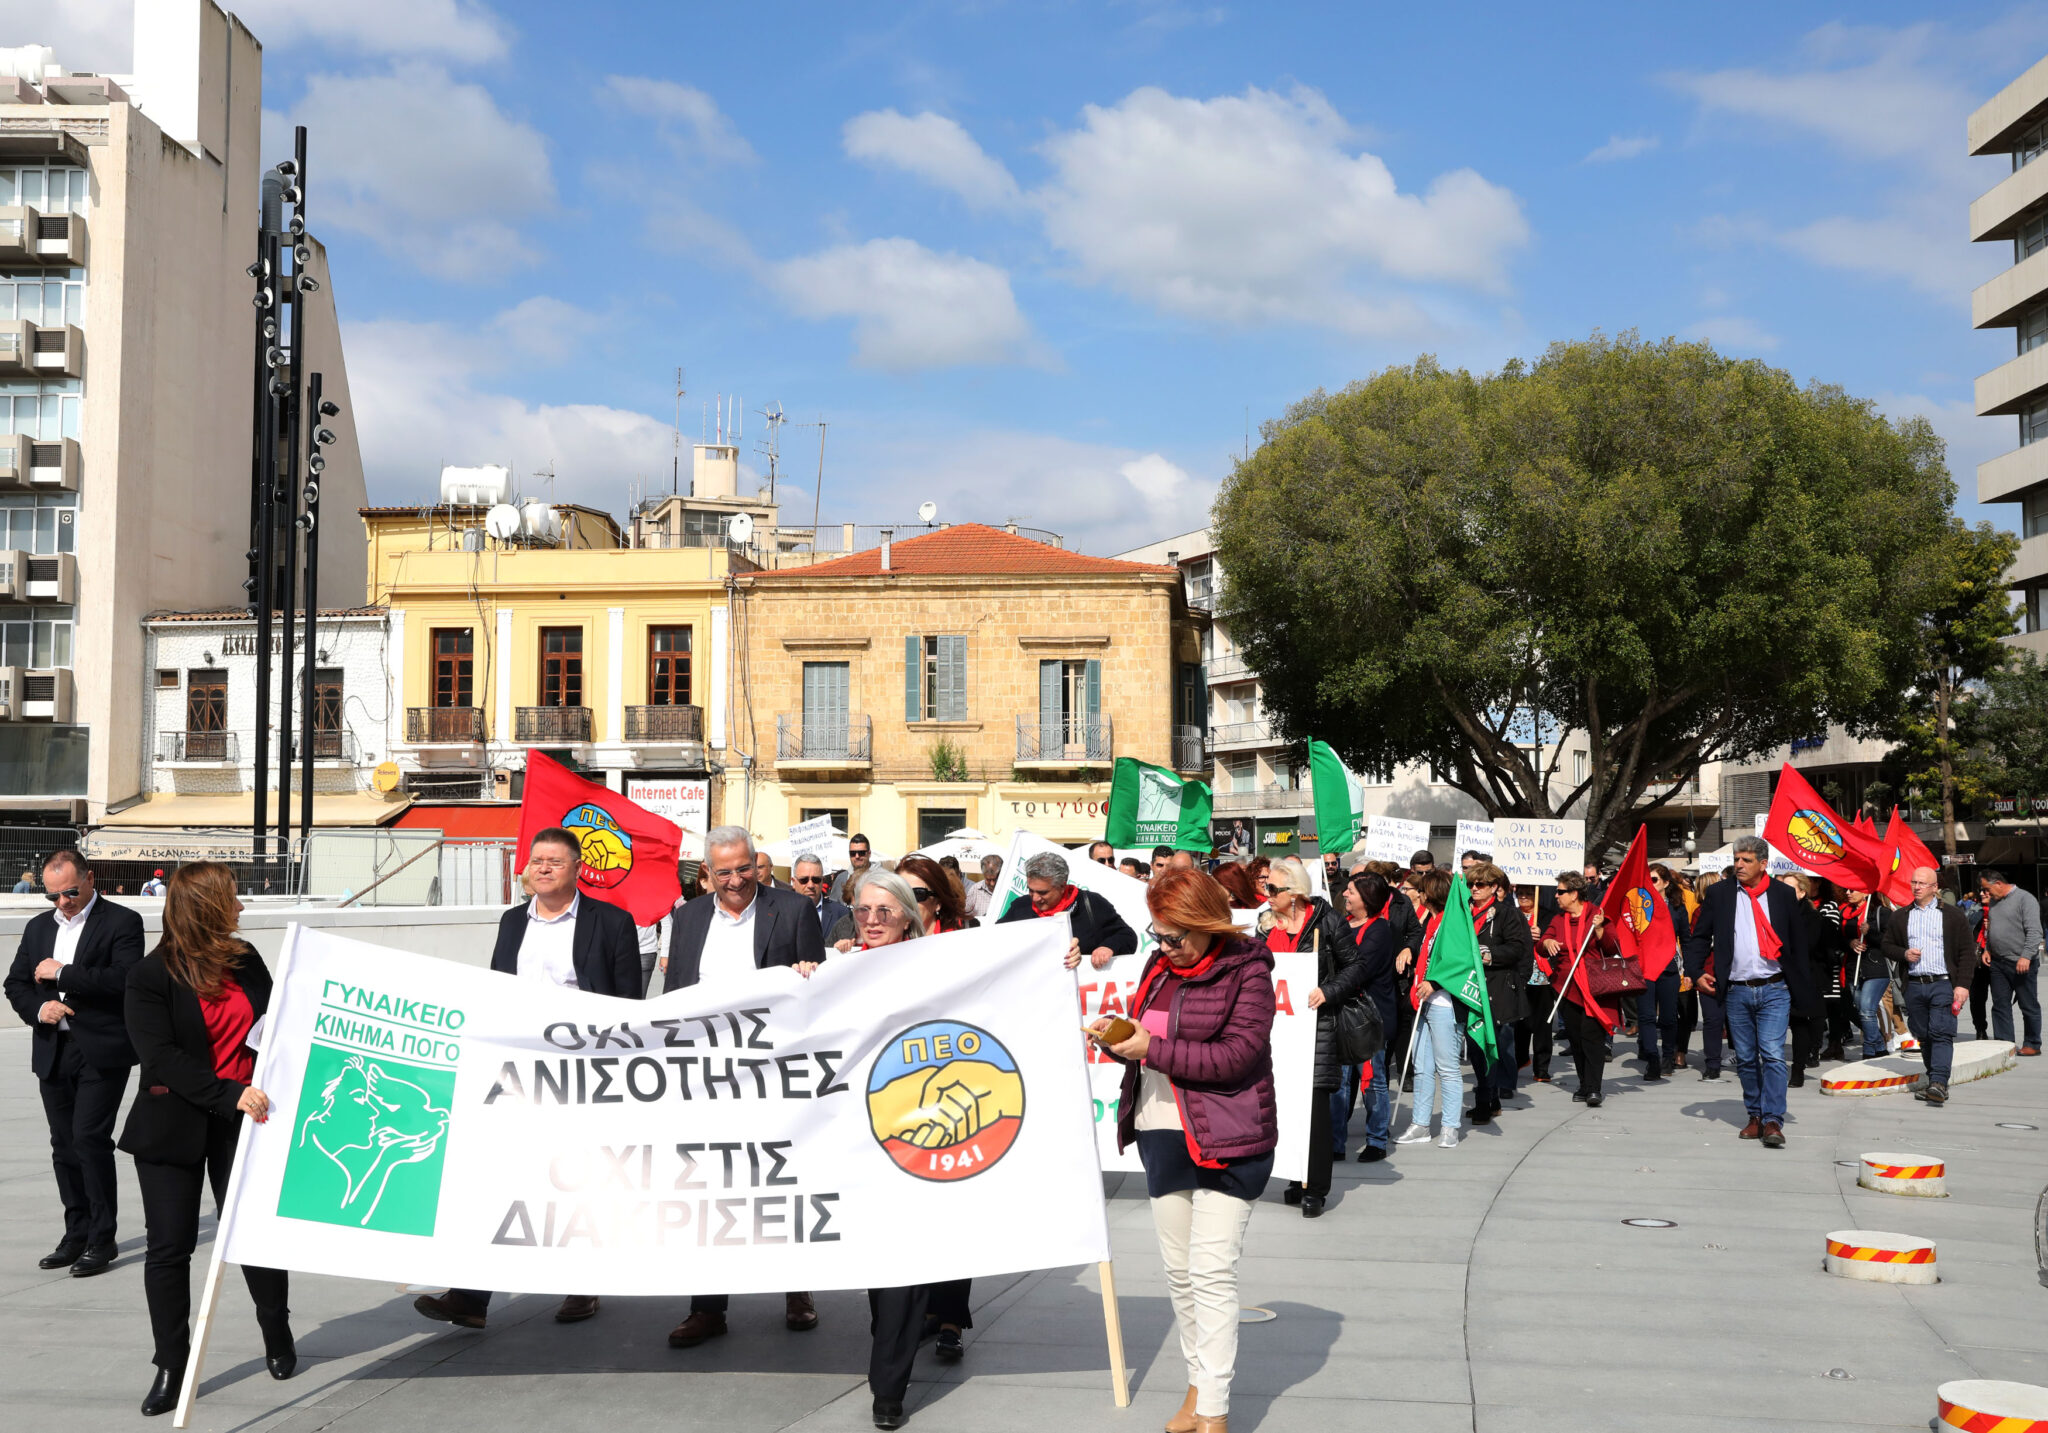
{"points": [[684, 800], [1776, 863], [810, 838], [434, 1123], [1395, 838], [1532, 850], [1474, 836]]}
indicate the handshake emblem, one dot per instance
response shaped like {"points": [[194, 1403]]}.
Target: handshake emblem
{"points": [[945, 1100]]}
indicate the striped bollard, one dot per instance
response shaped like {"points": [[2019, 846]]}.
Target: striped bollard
{"points": [[1880, 1258], [1914, 1174], [1982, 1405]]}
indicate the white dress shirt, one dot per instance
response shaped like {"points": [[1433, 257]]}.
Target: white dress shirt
{"points": [[548, 949], [1749, 963], [729, 942], [66, 949], [1923, 932], [978, 896]]}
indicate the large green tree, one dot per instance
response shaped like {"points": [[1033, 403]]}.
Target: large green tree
{"points": [[1646, 551]]}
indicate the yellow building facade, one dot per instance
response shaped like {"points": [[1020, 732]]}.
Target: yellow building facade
{"points": [[968, 677]]}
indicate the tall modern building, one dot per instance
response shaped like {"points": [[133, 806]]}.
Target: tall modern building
{"points": [[2015, 211], [129, 208]]}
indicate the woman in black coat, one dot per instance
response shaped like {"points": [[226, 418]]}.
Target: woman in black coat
{"points": [[1294, 920], [191, 1003], [1507, 950], [1369, 909]]}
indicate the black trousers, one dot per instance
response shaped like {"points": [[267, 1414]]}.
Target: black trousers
{"points": [[1688, 1021], [1713, 1021], [1322, 1154], [1589, 1046], [1806, 1040], [80, 1102], [1532, 1032], [896, 1321], [170, 1213], [1980, 993]]}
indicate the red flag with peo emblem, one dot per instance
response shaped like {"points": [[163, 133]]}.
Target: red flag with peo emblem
{"points": [[1904, 853], [1636, 912], [629, 853], [1805, 830]]}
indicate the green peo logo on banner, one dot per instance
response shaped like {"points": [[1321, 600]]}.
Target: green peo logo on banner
{"points": [[369, 1138]]}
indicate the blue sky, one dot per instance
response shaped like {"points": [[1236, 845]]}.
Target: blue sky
{"points": [[1042, 261]]}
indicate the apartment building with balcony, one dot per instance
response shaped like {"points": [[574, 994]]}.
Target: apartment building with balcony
{"points": [[2013, 126], [967, 676], [129, 208]]}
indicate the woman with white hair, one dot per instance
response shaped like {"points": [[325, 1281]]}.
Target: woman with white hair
{"points": [[1296, 919]]}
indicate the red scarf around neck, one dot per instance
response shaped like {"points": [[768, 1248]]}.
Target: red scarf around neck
{"points": [[1767, 943], [1066, 901]]}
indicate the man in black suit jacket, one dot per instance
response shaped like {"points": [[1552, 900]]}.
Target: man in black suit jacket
{"points": [[1758, 974], [68, 982], [807, 879], [565, 937], [740, 925]]}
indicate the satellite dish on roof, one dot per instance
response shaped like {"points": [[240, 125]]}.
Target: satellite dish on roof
{"points": [[502, 522], [926, 512], [741, 529]]}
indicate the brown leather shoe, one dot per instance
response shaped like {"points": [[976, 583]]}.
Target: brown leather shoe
{"points": [[1205, 1424], [576, 1308], [695, 1329], [1184, 1420], [448, 1309], [799, 1314], [1773, 1137], [2030, 1049], [1752, 1129]]}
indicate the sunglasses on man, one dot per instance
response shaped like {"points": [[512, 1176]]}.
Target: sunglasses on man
{"points": [[71, 895], [807, 880]]}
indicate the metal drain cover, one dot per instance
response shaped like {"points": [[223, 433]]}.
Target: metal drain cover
{"points": [[1651, 1223]]}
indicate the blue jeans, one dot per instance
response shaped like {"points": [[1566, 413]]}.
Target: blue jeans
{"points": [[1657, 1020], [1758, 1016], [1343, 1100], [1870, 1005], [1379, 1112], [2008, 985], [1930, 1014], [1439, 1042]]}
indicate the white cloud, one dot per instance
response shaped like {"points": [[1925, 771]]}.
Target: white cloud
{"points": [[99, 35], [912, 308], [423, 396], [452, 207], [935, 149], [1257, 208], [689, 120], [1620, 147], [1733, 333], [1925, 250]]}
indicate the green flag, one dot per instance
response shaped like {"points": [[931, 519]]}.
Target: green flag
{"points": [[1150, 806], [1455, 969], [1340, 800]]}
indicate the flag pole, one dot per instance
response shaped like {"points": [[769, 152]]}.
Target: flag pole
{"points": [[1113, 1329]]}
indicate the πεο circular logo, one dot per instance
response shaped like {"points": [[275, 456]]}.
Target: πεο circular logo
{"points": [[945, 1100]]}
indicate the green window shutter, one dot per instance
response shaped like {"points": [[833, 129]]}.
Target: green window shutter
{"points": [[953, 678], [1098, 749], [913, 662], [1051, 717]]}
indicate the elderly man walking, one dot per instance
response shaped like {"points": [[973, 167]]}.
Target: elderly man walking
{"points": [[1934, 943], [2012, 948]]}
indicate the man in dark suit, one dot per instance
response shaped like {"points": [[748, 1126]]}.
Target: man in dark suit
{"points": [[1748, 951], [1936, 949], [568, 938], [807, 878], [1098, 930], [740, 926], [68, 982]]}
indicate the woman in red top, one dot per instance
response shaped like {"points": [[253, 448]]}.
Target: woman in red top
{"points": [[191, 1003]]}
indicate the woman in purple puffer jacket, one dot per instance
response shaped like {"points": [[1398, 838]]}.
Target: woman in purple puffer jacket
{"points": [[1198, 1101]]}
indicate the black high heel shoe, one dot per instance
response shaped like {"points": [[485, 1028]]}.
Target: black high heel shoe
{"points": [[163, 1394], [280, 1352]]}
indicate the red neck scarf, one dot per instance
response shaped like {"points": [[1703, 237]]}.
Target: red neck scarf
{"points": [[1479, 913], [1065, 902], [1429, 930], [1163, 966], [1767, 943]]}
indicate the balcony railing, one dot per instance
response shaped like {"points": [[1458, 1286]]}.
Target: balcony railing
{"points": [[1190, 749], [550, 724], [664, 724], [327, 746], [198, 746], [1272, 799], [1058, 741], [800, 736], [1682, 794], [1241, 733], [1228, 668], [444, 726]]}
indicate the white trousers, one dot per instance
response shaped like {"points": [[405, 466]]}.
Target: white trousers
{"points": [[1201, 1234]]}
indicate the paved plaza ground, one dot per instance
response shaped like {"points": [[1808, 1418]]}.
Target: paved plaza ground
{"points": [[1493, 1289]]}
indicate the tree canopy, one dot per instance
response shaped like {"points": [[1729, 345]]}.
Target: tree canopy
{"points": [[1647, 551]]}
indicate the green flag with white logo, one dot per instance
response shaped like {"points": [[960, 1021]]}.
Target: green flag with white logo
{"points": [[1455, 967], [1340, 800], [1150, 806]]}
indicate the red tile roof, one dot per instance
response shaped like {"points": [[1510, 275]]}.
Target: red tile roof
{"points": [[970, 549]]}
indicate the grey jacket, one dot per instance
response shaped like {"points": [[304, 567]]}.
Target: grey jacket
{"points": [[2012, 929]]}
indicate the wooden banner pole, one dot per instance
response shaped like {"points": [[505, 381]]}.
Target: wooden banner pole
{"points": [[1113, 1330]]}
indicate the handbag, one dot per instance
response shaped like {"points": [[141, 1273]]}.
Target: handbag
{"points": [[1612, 975], [1359, 1034]]}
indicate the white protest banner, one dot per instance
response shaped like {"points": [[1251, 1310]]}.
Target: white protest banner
{"points": [[1395, 838], [1474, 836], [1532, 850], [1103, 992], [685, 800], [438, 1124], [810, 838]]}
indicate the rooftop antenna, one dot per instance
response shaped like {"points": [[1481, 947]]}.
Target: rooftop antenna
{"points": [[817, 493], [549, 473], [771, 447], [675, 467]]}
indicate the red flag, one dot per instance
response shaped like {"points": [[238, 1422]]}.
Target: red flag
{"points": [[1904, 853], [1806, 830], [629, 853], [1636, 911]]}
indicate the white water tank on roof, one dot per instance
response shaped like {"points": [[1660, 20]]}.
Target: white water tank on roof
{"points": [[476, 487], [541, 522]]}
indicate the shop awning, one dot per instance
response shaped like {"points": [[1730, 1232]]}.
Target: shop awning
{"points": [[495, 820], [337, 808]]}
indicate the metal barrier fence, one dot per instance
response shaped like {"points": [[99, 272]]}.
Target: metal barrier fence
{"points": [[410, 868]]}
